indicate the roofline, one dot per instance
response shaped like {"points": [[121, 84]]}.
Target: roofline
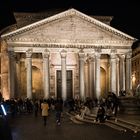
{"points": [[71, 12]]}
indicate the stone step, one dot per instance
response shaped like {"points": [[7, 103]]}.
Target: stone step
{"points": [[128, 123], [73, 119], [122, 121], [125, 126], [115, 126], [119, 124], [89, 118], [77, 117]]}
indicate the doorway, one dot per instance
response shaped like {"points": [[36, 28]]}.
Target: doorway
{"points": [[69, 83]]}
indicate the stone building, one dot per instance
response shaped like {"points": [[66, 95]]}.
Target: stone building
{"points": [[136, 65], [69, 54]]}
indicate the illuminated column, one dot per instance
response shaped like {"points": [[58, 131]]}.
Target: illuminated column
{"points": [[17, 76], [64, 78], [46, 74], [118, 77], [113, 73], [81, 76], [87, 94], [12, 68], [122, 72], [91, 76], [128, 72], [29, 73], [97, 76]]}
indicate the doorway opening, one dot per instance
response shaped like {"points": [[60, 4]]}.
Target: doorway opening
{"points": [[69, 84]]}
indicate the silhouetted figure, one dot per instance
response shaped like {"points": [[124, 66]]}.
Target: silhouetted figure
{"points": [[71, 104], [100, 114], [13, 107], [36, 107], [115, 104], [58, 109]]}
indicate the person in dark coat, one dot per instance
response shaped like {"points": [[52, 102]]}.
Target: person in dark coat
{"points": [[36, 107], [100, 114], [115, 104], [58, 109]]}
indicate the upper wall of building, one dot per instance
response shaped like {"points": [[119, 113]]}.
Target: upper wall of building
{"points": [[28, 18], [24, 19]]}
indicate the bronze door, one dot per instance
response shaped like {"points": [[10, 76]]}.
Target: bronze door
{"points": [[69, 84]]}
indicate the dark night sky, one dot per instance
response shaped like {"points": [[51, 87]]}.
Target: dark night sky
{"points": [[126, 12]]}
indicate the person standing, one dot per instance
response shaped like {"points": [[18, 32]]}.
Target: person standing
{"points": [[36, 106], [45, 108], [58, 109]]}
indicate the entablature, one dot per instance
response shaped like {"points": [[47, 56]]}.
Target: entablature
{"points": [[24, 49]]}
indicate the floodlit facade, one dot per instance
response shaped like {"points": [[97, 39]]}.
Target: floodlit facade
{"points": [[69, 54], [136, 67]]}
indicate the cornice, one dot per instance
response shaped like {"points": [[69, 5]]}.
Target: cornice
{"points": [[69, 12], [68, 42]]}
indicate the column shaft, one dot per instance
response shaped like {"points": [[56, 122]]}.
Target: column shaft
{"points": [[46, 74], [12, 68], [113, 73], [81, 77], [87, 93], [64, 78], [118, 78], [122, 72], [17, 78], [128, 72], [91, 77], [29, 74], [97, 76]]}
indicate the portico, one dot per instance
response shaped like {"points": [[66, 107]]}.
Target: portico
{"points": [[97, 56]]}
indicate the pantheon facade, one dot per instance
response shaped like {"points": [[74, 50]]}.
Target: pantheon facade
{"points": [[69, 54]]}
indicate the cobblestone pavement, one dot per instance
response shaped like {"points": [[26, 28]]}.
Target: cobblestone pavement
{"points": [[27, 127]]}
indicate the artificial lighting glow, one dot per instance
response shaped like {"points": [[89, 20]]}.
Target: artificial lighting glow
{"points": [[133, 78], [3, 109]]}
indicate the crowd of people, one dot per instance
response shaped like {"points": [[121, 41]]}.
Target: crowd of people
{"points": [[106, 107], [14, 107]]}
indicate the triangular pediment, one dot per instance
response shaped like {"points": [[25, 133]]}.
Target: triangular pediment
{"points": [[69, 27]]}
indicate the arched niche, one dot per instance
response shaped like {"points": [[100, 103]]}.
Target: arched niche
{"points": [[37, 85]]}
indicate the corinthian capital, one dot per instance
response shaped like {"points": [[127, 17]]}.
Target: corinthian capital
{"points": [[11, 54], [46, 53], [29, 53], [128, 55], [63, 53], [113, 56], [97, 55], [81, 55]]}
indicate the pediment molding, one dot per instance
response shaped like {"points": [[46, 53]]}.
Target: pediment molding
{"points": [[68, 42], [64, 14]]}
